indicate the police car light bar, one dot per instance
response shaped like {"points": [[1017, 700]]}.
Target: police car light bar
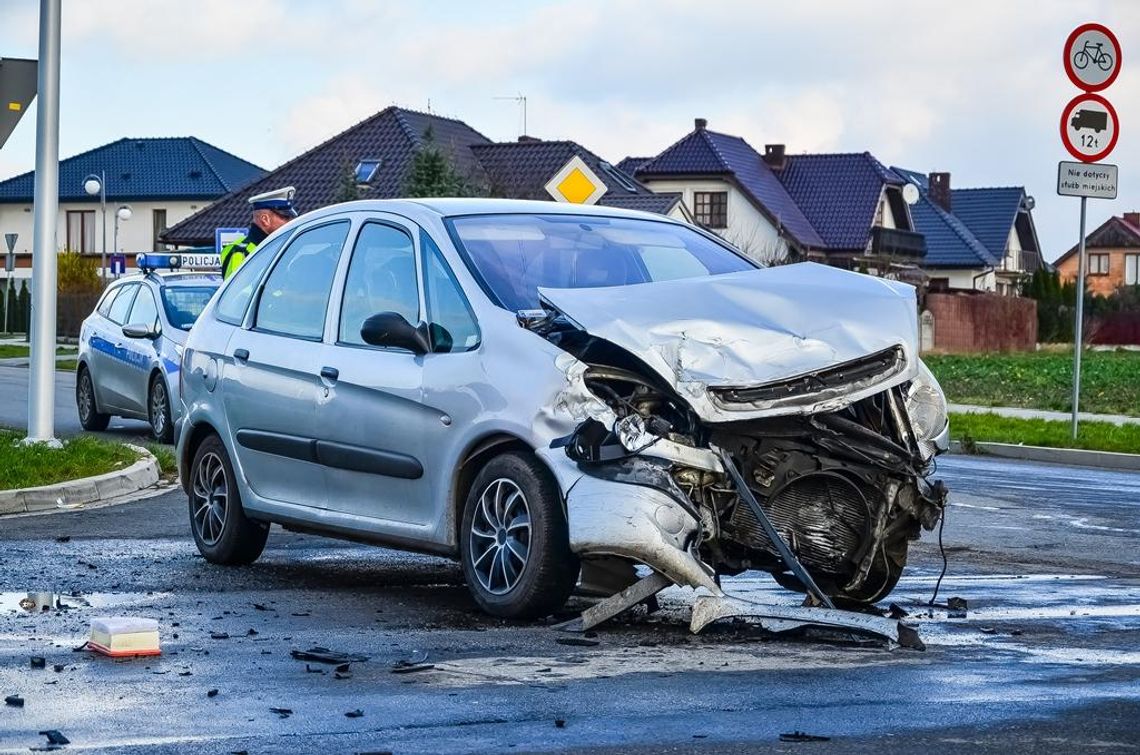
{"points": [[151, 262]]}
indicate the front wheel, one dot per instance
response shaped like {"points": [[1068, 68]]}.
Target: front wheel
{"points": [[1081, 60], [90, 418], [514, 544], [222, 531], [158, 408]]}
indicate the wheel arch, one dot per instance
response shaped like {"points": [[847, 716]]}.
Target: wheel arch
{"points": [[197, 434], [477, 455]]}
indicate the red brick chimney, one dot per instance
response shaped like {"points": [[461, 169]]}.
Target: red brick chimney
{"points": [[774, 155], [1132, 218], [939, 189]]}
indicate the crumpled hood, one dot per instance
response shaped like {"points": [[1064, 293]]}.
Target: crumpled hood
{"points": [[751, 328]]}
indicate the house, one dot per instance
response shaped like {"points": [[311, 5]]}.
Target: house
{"points": [[843, 209], [375, 154], [523, 170], [162, 180], [977, 239], [1112, 253]]}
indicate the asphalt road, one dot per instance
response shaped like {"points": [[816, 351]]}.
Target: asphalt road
{"points": [[1046, 658], [14, 406]]}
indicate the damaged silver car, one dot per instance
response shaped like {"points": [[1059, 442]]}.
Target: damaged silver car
{"points": [[556, 395]]}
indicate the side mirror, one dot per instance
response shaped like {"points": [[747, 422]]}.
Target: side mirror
{"points": [[391, 329], [140, 330]]}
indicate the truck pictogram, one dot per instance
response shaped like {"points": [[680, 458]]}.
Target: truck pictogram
{"points": [[1097, 120]]}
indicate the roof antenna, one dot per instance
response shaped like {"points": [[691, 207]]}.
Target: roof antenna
{"points": [[520, 98], [429, 105]]}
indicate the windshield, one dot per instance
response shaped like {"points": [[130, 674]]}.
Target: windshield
{"points": [[183, 304], [516, 254]]}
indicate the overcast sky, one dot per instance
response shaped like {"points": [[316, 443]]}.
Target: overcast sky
{"points": [[974, 88]]}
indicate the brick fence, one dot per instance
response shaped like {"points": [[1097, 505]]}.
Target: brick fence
{"points": [[979, 322]]}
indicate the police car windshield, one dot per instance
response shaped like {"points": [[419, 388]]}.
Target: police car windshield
{"points": [[183, 304]]}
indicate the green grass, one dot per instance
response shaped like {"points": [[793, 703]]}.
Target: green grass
{"points": [[31, 466], [167, 462], [67, 365], [1110, 380], [1092, 436], [8, 350]]}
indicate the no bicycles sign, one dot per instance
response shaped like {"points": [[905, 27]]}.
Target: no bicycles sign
{"points": [[1092, 57]]}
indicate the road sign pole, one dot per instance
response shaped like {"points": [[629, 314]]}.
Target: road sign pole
{"points": [[41, 388], [1078, 336]]}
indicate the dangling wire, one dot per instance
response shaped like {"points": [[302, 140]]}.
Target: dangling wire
{"points": [[941, 550]]}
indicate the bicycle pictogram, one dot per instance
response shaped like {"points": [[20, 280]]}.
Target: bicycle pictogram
{"points": [[1094, 54]]}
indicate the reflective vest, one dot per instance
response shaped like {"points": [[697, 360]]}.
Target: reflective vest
{"points": [[233, 254]]}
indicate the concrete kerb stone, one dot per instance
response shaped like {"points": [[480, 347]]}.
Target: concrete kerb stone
{"points": [[65, 495], [1077, 457]]}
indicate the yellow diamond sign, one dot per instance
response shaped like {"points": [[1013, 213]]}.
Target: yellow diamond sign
{"points": [[576, 183]]}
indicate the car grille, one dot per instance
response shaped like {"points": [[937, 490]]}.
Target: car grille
{"points": [[872, 368]]}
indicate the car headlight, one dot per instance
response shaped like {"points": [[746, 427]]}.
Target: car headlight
{"points": [[926, 405]]}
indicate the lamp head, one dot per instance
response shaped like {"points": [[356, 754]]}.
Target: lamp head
{"points": [[92, 186], [124, 213]]}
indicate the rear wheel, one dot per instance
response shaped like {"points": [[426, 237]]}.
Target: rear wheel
{"points": [[514, 544], [158, 408], [222, 531], [90, 418]]}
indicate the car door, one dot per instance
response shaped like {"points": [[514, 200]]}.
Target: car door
{"points": [[110, 373], [374, 428], [139, 353], [271, 380]]}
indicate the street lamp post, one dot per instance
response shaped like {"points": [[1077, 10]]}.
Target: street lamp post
{"points": [[97, 184], [124, 214]]}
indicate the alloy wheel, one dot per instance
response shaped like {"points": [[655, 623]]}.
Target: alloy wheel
{"points": [[158, 408], [500, 536], [86, 400], [210, 495]]}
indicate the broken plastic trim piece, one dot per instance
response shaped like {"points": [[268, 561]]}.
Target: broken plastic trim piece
{"points": [[710, 608]]}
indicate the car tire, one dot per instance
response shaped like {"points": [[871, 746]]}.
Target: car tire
{"points": [[514, 543], [90, 418], [222, 531], [158, 410]]}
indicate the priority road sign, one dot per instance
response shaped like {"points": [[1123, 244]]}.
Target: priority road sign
{"points": [[1097, 181], [1089, 127], [1092, 57]]}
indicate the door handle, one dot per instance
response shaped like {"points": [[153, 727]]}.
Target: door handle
{"points": [[330, 373], [241, 354]]}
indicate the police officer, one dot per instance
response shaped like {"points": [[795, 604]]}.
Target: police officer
{"points": [[271, 210]]}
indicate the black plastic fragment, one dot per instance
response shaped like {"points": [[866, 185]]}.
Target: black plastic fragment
{"points": [[55, 737], [324, 655], [14, 700], [803, 736], [38, 661]]}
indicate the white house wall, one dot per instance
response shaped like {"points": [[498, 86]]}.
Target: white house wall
{"points": [[964, 278], [135, 235], [747, 229]]}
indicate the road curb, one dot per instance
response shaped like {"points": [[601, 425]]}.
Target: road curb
{"points": [[1076, 457], [142, 474]]}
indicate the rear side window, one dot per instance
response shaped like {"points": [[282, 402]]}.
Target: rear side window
{"points": [[122, 304], [145, 311], [104, 307], [295, 298], [235, 299]]}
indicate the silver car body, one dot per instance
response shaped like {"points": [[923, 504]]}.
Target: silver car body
{"points": [[382, 452], [122, 367]]}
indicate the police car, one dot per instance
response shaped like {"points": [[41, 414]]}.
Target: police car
{"points": [[130, 347]]}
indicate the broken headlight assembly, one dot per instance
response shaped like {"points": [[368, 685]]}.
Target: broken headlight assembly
{"points": [[926, 406]]}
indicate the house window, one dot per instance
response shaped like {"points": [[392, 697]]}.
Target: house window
{"points": [[366, 171], [711, 208], [1098, 264], [81, 231], [158, 220], [1132, 269]]}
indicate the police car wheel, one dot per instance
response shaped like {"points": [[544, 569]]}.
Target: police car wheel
{"points": [[89, 415], [158, 409], [222, 531]]}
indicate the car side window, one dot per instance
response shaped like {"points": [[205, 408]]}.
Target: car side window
{"points": [[235, 299], [104, 307], [381, 278], [122, 304], [144, 311], [451, 322], [295, 297]]}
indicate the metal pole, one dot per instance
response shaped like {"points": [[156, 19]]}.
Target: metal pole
{"points": [[103, 202], [41, 389], [1078, 337]]}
